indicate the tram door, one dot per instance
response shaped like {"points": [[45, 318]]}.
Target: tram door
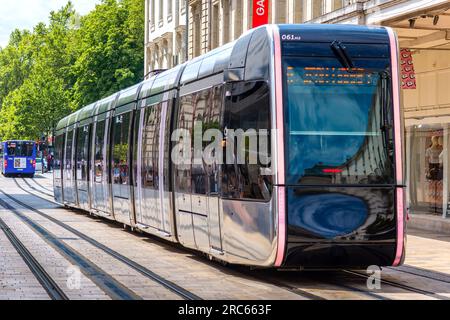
{"points": [[213, 119], [120, 164], [152, 206], [68, 171], [99, 175], [82, 169]]}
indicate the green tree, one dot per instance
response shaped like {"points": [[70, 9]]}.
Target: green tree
{"points": [[110, 50], [58, 68]]}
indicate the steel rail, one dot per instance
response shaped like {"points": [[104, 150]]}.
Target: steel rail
{"points": [[41, 185], [46, 281], [114, 289], [401, 286], [36, 189], [180, 291]]}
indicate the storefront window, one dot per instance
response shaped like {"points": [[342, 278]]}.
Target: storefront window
{"points": [[427, 165]]}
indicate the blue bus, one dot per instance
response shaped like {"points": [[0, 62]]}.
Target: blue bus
{"points": [[18, 158]]}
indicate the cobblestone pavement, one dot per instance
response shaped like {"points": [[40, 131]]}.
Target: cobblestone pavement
{"points": [[427, 265]]}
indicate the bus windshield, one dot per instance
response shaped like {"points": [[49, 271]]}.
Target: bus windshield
{"points": [[338, 122], [20, 148]]}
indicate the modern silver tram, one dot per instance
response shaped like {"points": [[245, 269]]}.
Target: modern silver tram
{"points": [[326, 192]]}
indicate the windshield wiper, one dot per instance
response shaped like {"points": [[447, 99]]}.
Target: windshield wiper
{"points": [[341, 53], [386, 125]]}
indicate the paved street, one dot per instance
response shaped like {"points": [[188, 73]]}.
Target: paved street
{"points": [[101, 260]]}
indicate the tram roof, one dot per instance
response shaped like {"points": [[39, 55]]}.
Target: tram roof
{"points": [[87, 112], [62, 123], [129, 95]]}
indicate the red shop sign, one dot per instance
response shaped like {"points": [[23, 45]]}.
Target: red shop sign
{"points": [[260, 13], [407, 69]]}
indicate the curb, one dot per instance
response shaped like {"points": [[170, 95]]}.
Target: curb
{"points": [[429, 223]]}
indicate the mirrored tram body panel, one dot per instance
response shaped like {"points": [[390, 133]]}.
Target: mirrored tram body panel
{"points": [[332, 199], [99, 174], [83, 157], [152, 186], [82, 165], [58, 161], [69, 183]]}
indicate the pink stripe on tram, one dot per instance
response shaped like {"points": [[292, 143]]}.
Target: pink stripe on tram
{"points": [[398, 145], [400, 227], [280, 149]]}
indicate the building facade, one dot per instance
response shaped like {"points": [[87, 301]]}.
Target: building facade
{"points": [[423, 28]]}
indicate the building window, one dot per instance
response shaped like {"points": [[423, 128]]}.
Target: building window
{"points": [[161, 7], [226, 21], [250, 14], [238, 19], [298, 11], [152, 13], [337, 4], [169, 10], [215, 22], [196, 29], [281, 11], [317, 8]]}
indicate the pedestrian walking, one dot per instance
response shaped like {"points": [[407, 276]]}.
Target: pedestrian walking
{"points": [[49, 162]]}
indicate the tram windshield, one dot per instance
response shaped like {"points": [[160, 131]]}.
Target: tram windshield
{"points": [[20, 148], [338, 121]]}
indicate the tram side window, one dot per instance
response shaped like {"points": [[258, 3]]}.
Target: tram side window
{"points": [[150, 151], [198, 177], [98, 155], [59, 142], [120, 159], [167, 150], [248, 110], [134, 160], [212, 121], [68, 150], [184, 121], [82, 152]]}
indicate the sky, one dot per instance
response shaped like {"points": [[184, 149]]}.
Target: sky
{"points": [[25, 14]]}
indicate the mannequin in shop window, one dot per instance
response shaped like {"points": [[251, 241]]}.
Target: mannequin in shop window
{"points": [[434, 173]]}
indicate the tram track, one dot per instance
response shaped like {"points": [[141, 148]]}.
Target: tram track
{"points": [[359, 290], [50, 286], [421, 273], [290, 287], [41, 185], [178, 290], [312, 296], [114, 289], [401, 286], [35, 189], [36, 195]]}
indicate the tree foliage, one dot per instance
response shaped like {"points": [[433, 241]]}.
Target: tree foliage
{"points": [[58, 68]]}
